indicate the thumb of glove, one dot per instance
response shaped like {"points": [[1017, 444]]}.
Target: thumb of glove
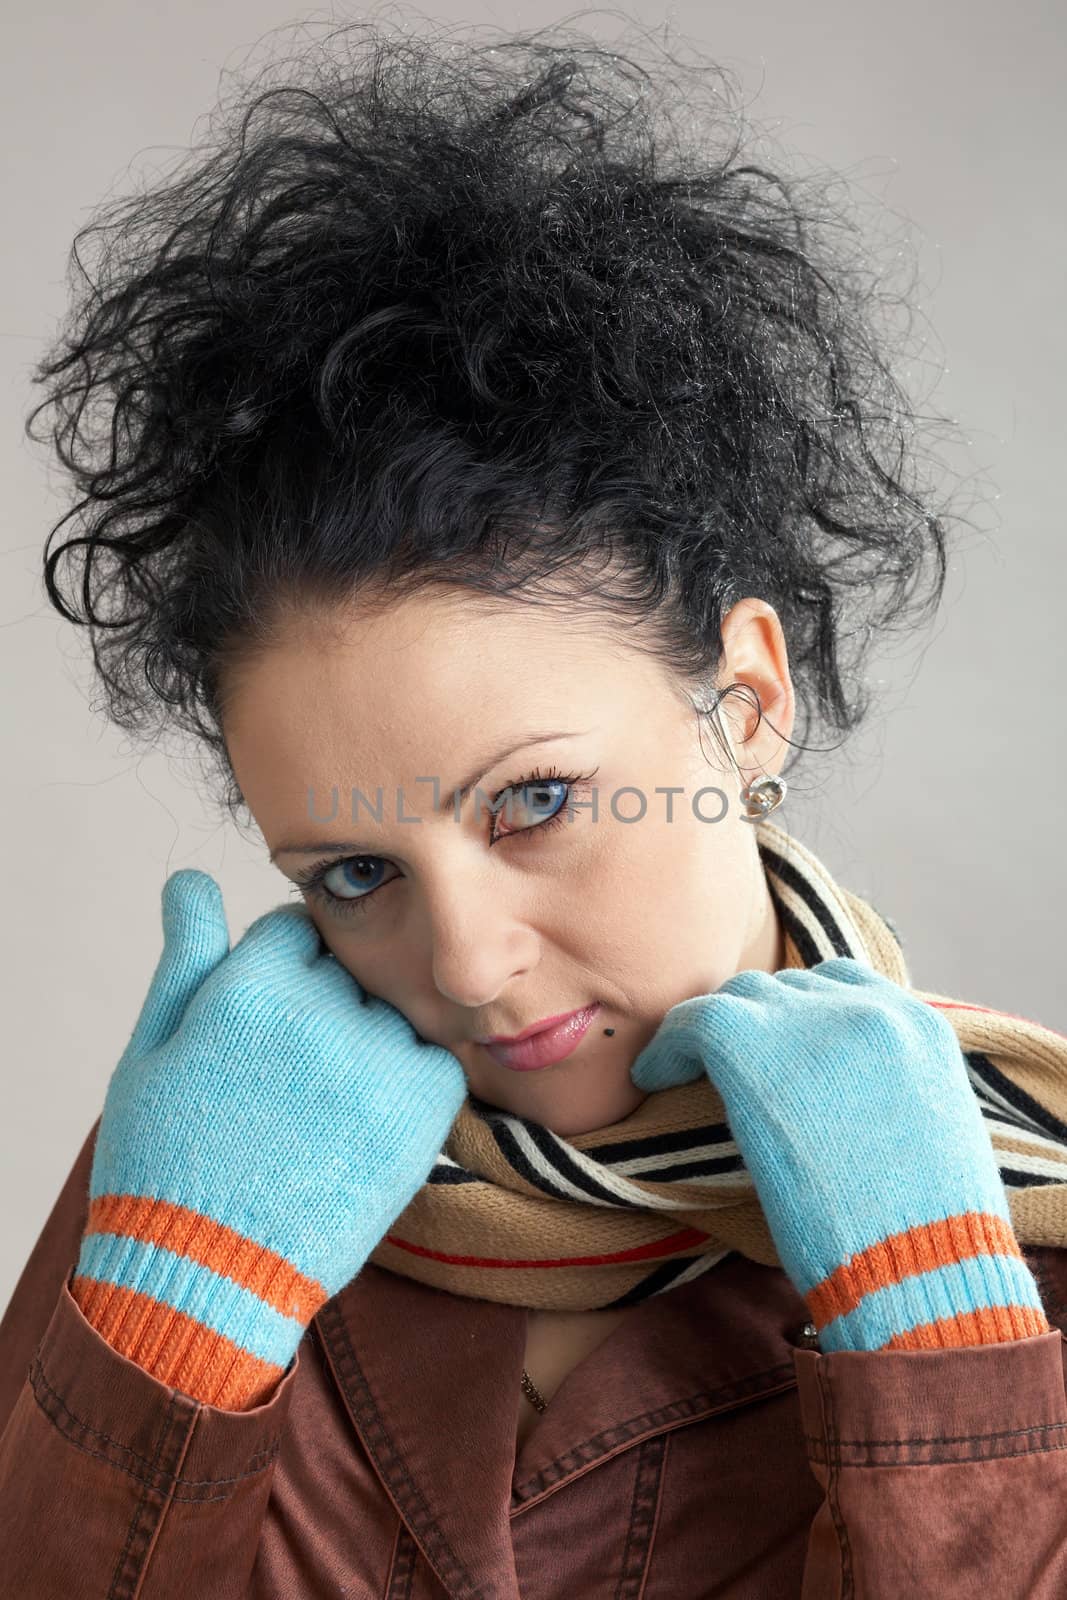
{"points": [[195, 940], [675, 1053]]}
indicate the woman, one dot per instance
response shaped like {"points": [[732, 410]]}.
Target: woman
{"points": [[570, 1195]]}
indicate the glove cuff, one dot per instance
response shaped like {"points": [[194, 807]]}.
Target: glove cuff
{"points": [[958, 1281], [191, 1301]]}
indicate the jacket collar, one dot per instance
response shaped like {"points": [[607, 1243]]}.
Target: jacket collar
{"points": [[431, 1383]]}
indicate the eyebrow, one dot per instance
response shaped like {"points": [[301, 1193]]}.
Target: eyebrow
{"points": [[486, 765]]}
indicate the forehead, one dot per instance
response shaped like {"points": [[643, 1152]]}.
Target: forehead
{"points": [[433, 648], [425, 679]]}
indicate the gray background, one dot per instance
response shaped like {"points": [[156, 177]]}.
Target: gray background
{"points": [[950, 115]]}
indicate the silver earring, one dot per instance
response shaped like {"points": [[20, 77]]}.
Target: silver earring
{"points": [[760, 796]]}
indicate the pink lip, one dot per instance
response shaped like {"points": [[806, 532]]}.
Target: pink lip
{"points": [[535, 1027], [543, 1046]]}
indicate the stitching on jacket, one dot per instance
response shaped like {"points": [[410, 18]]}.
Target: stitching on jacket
{"points": [[388, 1459], [833, 1484], [125, 1582], [955, 1461], [590, 1450], [61, 1417], [402, 1569], [861, 1452], [140, 1477], [948, 1438], [653, 1530], [215, 1483], [644, 1508]]}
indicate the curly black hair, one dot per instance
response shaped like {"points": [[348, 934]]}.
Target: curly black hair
{"points": [[473, 313]]}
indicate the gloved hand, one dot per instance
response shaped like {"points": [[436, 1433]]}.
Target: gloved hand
{"points": [[267, 1123], [850, 1103]]}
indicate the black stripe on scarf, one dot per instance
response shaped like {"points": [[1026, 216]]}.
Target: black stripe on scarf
{"points": [[808, 950], [709, 1167], [442, 1172], [1026, 1180], [808, 893], [662, 1144], [656, 1281], [1011, 1092], [556, 1158]]}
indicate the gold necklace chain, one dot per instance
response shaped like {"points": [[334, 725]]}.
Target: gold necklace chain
{"points": [[532, 1392]]}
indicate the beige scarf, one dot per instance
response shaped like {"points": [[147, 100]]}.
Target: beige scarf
{"points": [[515, 1213]]}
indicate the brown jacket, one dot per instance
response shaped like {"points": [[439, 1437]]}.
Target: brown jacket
{"points": [[699, 1451]]}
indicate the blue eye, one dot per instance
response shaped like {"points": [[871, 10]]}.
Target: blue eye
{"points": [[539, 797], [352, 874]]}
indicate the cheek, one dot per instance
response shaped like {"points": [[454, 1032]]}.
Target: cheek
{"points": [[370, 972], [335, 942], [668, 922]]}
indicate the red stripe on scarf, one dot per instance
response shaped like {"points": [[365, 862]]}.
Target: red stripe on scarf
{"points": [[644, 1252], [958, 1005]]}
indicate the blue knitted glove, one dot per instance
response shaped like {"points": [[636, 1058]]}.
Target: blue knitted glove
{"points": [[266, 1125], [850, 1103]]}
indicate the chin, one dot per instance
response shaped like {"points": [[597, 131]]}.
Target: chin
{"points": [[567, 1120], [567, 1101]]}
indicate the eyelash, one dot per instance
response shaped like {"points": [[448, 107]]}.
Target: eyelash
{"points": [[310, 879]]}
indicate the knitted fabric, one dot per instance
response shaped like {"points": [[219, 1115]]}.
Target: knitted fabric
{"points": [[852, 1109], [207, 1279], [264, 1125], [512, 1212]]}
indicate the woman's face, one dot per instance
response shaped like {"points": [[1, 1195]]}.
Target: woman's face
{"points": [[468, 935]]}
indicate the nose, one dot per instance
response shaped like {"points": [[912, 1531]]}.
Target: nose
{"points": [[479, 941]]}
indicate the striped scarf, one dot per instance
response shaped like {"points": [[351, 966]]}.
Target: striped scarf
{"points": [[515, 1213]]}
